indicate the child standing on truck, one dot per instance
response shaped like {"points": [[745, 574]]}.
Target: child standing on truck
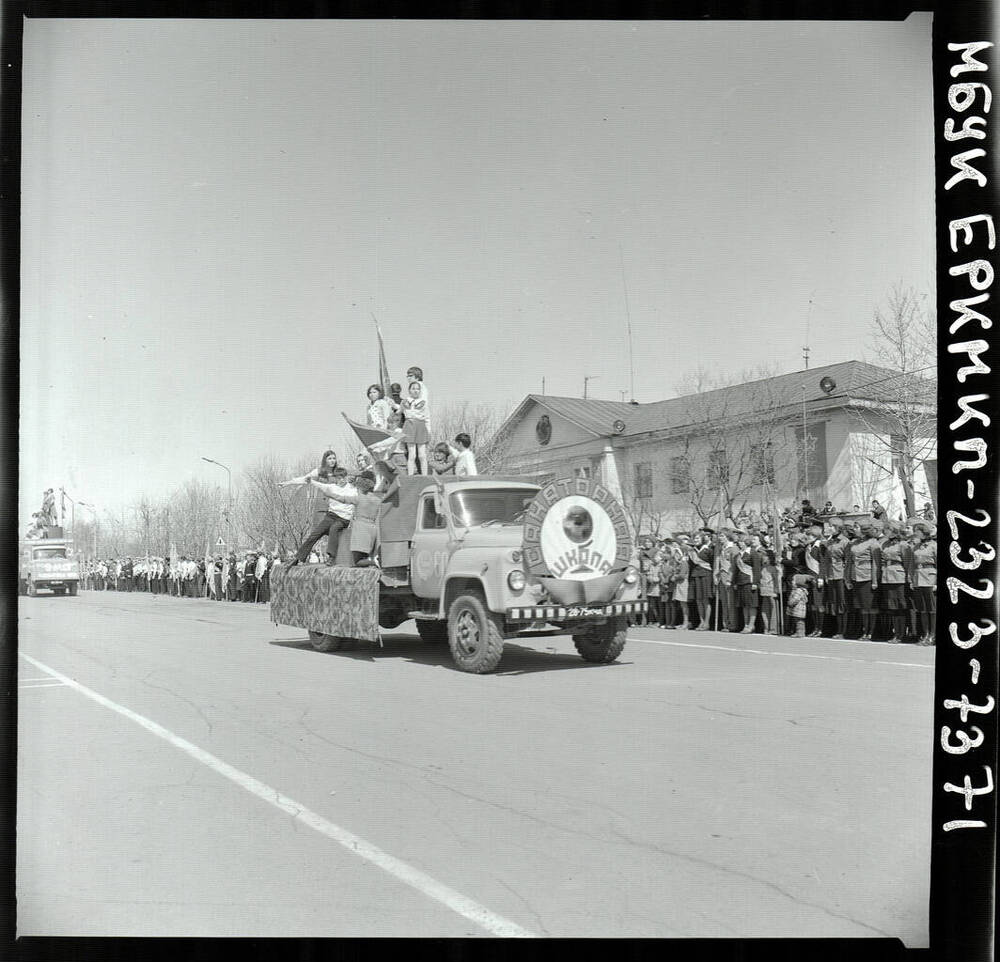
{"points": [[363, 533], [415, 430]]}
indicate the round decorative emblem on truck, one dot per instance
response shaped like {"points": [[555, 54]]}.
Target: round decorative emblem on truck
{"points": [[575, 529]]}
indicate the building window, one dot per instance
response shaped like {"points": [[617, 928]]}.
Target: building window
{"points": [[718, 469], [763, 469], [644, 480], [582, 471], [680, 476]]}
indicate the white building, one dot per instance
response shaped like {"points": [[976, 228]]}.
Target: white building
{"points": [[702, 456]]}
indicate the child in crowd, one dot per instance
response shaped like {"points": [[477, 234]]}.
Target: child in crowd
{"points": [[798, 603], [465, 460], [380, 408], [442, 460]]}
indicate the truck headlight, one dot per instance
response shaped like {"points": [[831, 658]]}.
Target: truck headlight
{"points": [[631, 575], [516, 580]]}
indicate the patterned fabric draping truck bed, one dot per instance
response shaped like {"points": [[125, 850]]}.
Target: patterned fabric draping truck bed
{"points": [[335, 600]]}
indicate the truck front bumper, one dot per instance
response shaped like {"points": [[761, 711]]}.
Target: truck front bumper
{"points": [[572, 612]]}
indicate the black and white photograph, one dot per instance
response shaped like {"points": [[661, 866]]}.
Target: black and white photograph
{"points": [[477, 479]]}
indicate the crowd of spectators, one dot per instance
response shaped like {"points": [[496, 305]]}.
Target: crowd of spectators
{"points": [[815, 573]]}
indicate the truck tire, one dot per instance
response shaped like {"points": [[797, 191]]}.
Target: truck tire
{"points": [[59, 591], [602, 644], [73, 589], [323, 642], [475, 636], [433, 632]]}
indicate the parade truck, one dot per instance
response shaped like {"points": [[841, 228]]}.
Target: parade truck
{"points": [[475, 561], [48, 564]]}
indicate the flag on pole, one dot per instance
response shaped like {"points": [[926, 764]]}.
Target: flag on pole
{"points": [[379, 445], [383, 368]]}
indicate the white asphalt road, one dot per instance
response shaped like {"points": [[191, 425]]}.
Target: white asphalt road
{"points": [[188, 768]]}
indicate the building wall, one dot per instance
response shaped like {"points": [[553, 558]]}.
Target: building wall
{"points": [[849, 448]]}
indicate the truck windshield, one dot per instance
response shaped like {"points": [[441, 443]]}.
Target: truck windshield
{"points": [[49, 553], [477, 505]]}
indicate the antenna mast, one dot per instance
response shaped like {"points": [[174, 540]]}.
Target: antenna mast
{"points": [[628, 327]]}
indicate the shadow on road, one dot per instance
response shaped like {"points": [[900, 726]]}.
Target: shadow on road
{"points": [[517, 658]]}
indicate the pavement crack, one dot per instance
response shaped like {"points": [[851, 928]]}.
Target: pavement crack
{"points": [[707, 863], [170, 691], [531, 910]]}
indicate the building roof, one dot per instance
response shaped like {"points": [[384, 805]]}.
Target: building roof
{"points": [[855, 381]]}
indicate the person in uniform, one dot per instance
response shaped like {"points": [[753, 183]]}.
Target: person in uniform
{"points": [[864, 565], [924, 544], [895, 577], [833, 558], [746, 581], [817, 602], [363, 533], [249, 585], [728, 550]]}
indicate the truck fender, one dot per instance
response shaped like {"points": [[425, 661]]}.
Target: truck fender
{"points": [[460, 584]]}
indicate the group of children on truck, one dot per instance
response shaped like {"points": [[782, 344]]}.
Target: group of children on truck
{"points": [[354, 499]]}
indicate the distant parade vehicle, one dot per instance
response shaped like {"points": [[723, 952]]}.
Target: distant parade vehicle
{"points": [[476, 560], [47, 563]]}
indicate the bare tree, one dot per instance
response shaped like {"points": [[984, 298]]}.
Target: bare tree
{"points": [[482, 421], [195, 511], [904, 418], [734, 443], [272, 515]]}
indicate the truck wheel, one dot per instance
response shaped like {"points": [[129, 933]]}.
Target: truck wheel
{"points": [[59, 591], [602, 643], [474, 635], [433, 632], [323, 642], [73, 589]]}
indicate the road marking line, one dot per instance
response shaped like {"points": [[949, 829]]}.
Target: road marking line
{"points": [[462, 905], [784, 654]]}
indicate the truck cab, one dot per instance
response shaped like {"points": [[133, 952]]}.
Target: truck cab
{"points": [[48, 564]]}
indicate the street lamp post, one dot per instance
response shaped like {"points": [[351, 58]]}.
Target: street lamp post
{"points": [[72, 510], [229, 496]]}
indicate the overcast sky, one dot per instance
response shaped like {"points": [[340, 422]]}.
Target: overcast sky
{"points": [[212, 210]]}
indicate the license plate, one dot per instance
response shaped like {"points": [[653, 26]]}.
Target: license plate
{"points": [[568, 612]]}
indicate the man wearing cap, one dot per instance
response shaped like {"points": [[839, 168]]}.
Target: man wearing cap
{"points": [[862, 573], [895, 577]]}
